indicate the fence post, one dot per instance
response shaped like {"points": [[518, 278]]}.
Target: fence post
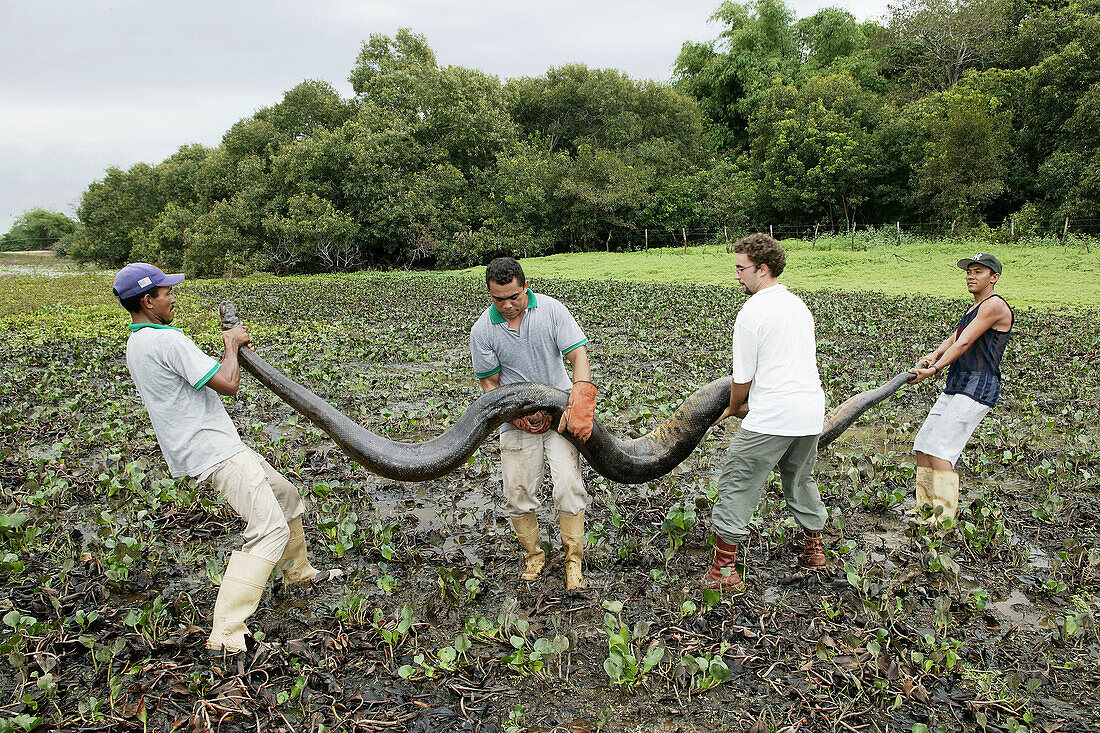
{"points": [[898, 224], [727, 236], [684, 234], [1065, 230], [1012, 229], [771, 232], [647, 240]]}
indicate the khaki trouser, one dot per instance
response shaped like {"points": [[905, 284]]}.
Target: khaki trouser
{"points": [[263, 498], [521, 463], [749, 460]]}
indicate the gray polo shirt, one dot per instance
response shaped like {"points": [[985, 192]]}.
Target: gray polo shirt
{"points": [[534, 353], [170, 373]]}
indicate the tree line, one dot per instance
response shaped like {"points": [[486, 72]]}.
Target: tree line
{"points": [[974, 112]]}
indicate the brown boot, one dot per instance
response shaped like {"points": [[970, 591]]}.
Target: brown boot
{"points": [[725, 556], [527, 532], [572, 541], [813, 552]]}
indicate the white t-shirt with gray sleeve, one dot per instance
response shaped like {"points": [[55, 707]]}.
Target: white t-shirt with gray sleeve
{"points": [[170, 373], [535, 352]]}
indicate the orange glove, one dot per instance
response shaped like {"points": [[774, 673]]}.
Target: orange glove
{"points": [[536, 422], [580, 412]]}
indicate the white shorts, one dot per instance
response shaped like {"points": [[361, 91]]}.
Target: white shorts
{"points": [[949, 424]]}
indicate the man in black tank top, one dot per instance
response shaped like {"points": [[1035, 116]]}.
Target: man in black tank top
{"points": [[973, 352]]}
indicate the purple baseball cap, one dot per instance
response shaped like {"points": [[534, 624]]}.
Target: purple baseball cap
{"points": [[138, 278]]}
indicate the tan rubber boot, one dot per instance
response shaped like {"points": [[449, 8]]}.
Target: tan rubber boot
{"points": [[242, 586], [725, 556], [945, 495], [295, 560], [922, 488], [572, 541], [527, 531]]}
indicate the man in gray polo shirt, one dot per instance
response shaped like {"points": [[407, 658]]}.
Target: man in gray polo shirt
{"points": [[179, 385], [522, 337]]}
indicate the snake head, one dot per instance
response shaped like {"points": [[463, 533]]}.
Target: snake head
{"points": [[228, 314]]}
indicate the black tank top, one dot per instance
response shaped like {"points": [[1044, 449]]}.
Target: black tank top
{"points": [[977, 373]]}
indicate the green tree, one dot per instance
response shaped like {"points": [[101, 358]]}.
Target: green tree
{"points": [[165, 243], [964, 156], [37, 229], [116, 211], [313, 234], [181, 176], [756, 48], [1071, 174], [813, 150], [219, 242], [936, 41], [415, 164]]}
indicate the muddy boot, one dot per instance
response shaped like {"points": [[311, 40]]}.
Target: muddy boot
{"points": [[922, 488], [527, 531], [295, 560], [572, 542], [945, 495], [813, 552], [725, 556], [242, 586]]}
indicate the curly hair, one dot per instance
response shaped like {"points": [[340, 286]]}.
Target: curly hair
{"points": [[762, 249], [503, 271]]}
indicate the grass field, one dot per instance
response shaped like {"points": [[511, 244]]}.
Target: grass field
{"points": [[1043, 277], [108, 566]]}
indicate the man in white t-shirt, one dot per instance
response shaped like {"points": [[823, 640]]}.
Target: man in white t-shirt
{"points": [[776, 389], [180, 386]]}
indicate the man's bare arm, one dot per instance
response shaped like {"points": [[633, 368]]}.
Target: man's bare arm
{"points": [[985, 320], [488, 384], [738, 406], [227, 380], [582, 370]]}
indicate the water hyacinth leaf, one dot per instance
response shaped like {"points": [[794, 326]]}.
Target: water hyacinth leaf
{"points": [[653, 657]]}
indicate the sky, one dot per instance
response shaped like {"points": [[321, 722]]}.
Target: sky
{"points": [[88, 84]]}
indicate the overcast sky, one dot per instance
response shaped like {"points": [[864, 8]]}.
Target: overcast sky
{"points": [[87, 84]]}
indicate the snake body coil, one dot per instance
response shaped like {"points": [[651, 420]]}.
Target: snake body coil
{"points": [[630, 461]]}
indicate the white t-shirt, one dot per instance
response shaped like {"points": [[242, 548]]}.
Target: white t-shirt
{"points": [[171, 372], [775, 349]]}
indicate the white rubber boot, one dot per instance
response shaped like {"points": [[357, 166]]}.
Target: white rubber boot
{"points": [[295, 560], [242, 586], [922, 487]]}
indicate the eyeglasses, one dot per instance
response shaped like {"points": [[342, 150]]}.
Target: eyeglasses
{"points": [[742, 268]]}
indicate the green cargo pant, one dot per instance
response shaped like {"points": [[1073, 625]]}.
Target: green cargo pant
{"points": [[749, 460]]}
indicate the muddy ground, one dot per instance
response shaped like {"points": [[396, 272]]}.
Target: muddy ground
{"points": [[108, 563]]}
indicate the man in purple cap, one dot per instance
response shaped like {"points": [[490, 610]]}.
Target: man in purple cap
{"points": [[973, 351], [179, 385]]}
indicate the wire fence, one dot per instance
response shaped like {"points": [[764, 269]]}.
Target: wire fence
{"points": [[620, 239]]}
